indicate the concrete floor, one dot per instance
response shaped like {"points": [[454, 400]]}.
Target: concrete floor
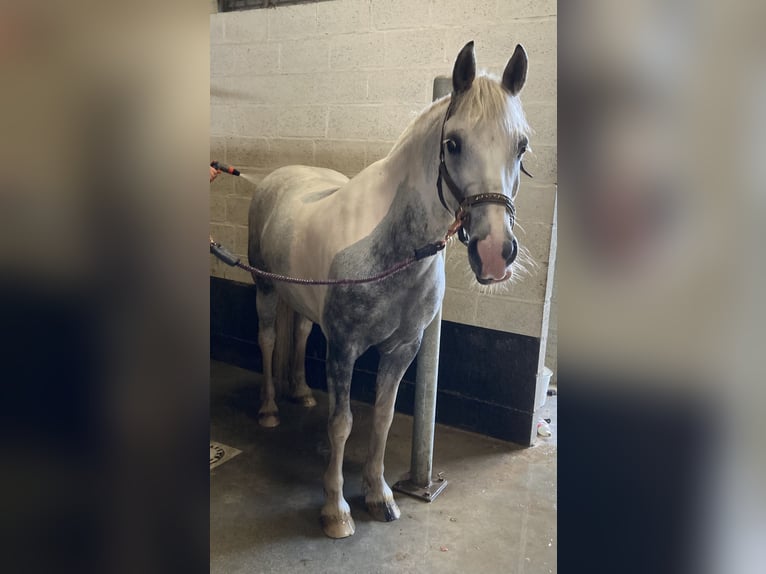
{"points": [[498, 513]]}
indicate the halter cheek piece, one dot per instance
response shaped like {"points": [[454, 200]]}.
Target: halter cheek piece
{"points": [[466, 201]]}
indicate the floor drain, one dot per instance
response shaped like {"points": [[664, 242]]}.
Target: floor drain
{"points": [[220, 453]]}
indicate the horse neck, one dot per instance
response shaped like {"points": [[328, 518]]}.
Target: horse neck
{"points": [[414, 161]]}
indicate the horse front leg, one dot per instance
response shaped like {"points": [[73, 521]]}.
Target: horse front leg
{"points": [[378, 496], [336, 513]]}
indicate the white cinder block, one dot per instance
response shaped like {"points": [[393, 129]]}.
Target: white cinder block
{"points": [[283, 151], [458, 272], [303, 121], [220, 120], [217, 148], [270, 89], [528, 286], [357, 51], [343, 16], [220, 92], [542, 118], [539, 37], [217, 208], [400, 86], [542, 83], [254, 121], [495, 43], [457, 12], [388, 14], [297, 21], [505, 314], [244, 59], [338, 88], [395, 119], [245, 89], [345, 156], [309, 56], [240, 237], [247, 26], [236, 213], [354, 122], [217, 267], [222, 186], [410, 48], [459, 306], [220, 60], [216, 30], [510, 9], [541, 162], [291, 89], [247, 152], [534, 202], [536, 238]]}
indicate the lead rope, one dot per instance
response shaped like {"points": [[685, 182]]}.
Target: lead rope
{"points": [[428, 250]]}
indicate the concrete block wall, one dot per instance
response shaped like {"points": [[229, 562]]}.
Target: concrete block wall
{"points": [[334, 83]]}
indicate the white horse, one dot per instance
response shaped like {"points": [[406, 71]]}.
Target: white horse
{"points": [[316, 223]]}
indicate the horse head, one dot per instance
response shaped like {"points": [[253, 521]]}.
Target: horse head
{"points": [[484, 137]]}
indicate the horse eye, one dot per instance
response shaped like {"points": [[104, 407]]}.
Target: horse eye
{"points": [[523, 146], [453, 146]]}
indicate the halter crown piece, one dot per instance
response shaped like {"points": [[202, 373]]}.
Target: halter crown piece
{"points": [[466, 201]]}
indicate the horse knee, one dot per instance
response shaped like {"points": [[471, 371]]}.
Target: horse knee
{"points": [[267, 337], [339, 425], [303, 328]]}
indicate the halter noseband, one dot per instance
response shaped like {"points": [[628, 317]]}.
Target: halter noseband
{"points": [[470, 200]]}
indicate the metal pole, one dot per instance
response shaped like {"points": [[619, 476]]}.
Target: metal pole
{"points": [[425, 404], [420, 482]]}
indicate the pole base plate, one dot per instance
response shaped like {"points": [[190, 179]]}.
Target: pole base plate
{"points": [[427, 493]]}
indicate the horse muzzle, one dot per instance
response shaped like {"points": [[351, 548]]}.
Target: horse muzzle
{"points": [[491, 259]]}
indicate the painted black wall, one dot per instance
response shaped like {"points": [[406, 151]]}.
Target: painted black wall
{"points": [[486, 377]]}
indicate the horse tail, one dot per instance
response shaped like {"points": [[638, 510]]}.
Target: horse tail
{"points": [[283, 347]]}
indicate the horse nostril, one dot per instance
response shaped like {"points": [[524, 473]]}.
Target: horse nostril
{"points": [[510, 251], [473, 251]]}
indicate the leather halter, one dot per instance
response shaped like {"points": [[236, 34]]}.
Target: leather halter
{"points": [[466, 201]]}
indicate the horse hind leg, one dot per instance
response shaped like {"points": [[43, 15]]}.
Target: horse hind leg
{"points": [[301, 391], [266, 304], [336, 514], [378, 496]]}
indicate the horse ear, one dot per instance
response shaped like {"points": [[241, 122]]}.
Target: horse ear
{"points": [[515, 73], [465, 69]]}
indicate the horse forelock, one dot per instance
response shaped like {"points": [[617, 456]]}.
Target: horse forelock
{"points": [[487, 102]]}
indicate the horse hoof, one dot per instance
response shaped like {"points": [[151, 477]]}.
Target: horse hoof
{"points": [[338, 527], [384, 511], [268, 420], [306, 401]]}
